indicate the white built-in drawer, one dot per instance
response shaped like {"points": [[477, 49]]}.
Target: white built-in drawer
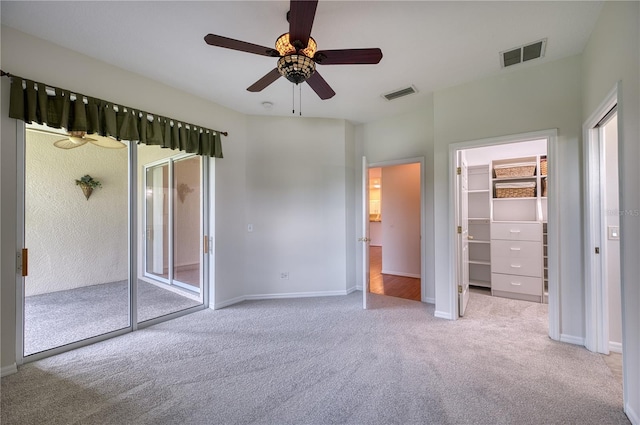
{"points": [[517, 231], [516, 284], [516, 257]]}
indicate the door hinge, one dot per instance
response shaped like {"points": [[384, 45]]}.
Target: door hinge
{"points": [[597, 250], [459, 229], [459, 289], [459, 170]]}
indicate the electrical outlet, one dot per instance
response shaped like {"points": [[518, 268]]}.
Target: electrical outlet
{"points": [[284, 275]]}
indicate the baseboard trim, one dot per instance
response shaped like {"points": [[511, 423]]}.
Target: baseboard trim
{"points": [[571, 339], [295, 295], [414, 275], [430, 300], [358, 287], [631, 414], [8, 370], [352, 289], [442, 314], [227, 303], [616, 347]]}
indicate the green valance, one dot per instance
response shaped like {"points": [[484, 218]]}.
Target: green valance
{"points": [[59, 108]]}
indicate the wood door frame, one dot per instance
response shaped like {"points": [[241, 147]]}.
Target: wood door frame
{"points": [[596, 306], [553, 218], [423, 198]]}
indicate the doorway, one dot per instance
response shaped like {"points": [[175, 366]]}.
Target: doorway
{"points": [[510, 220], [394, 257], [603, 298]]}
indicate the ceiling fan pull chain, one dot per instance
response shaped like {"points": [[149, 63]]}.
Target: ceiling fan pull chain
{"points": [[293, 99], [300, 99]]}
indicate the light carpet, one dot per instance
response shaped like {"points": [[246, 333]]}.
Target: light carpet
{"points": [[58, 318], [325, 361]]}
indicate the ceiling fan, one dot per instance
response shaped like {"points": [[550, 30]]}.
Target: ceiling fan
{"points": [[297, 52], [79, 138]]}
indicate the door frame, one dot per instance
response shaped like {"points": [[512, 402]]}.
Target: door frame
{"points": [[553, 219], [596, 305], [423, 199]]}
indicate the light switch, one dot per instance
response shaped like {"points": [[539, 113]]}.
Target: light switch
{"points": [[614, 232]]}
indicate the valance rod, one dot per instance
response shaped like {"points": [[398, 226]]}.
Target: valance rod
{"points": [[60, 108]]}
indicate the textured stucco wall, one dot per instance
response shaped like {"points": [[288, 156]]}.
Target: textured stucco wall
{"points": [[73, 242]]}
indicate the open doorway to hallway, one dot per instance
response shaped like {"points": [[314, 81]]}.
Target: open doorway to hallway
{"points": [[394, 228]]}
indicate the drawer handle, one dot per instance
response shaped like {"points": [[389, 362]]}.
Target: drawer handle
{"points": [[516, 283], [514, 231], [516, 266], [515, 249]]}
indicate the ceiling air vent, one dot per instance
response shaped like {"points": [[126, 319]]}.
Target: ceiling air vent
{"points": [[523, 53], [400, 93]]}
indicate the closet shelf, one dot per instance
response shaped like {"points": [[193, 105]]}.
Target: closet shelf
{"points": [[478, 241]]}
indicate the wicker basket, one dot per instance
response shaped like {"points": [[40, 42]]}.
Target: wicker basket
{"points": [[524, 169], [543, 167], [516, 190]]}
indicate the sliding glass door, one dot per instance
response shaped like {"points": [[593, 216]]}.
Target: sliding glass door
{"points": [[102, 258], [175, 243], [77, 275]]}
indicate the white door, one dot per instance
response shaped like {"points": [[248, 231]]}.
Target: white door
{"points": [[462, 222], [364, 240]]}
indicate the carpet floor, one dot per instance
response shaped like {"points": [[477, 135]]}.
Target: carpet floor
{"points": [[63, 317], [324, 361]]}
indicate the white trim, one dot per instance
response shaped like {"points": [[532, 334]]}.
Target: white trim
{"points": [[8, 370], [615, 347], [552, 218], [572, 339], [285, 295], [596, 309], [358, 287], [352, 289], [443, 314], [430, 300], [403, 274], [423, 215], [634, 418], [227, 303], [295, 295]]}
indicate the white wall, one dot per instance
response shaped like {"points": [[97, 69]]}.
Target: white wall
{"points": [[611, 55], [530, 99], [40, 60], [401, 220], [404, 136], [297, 204], [74, 242], [612, 218]]}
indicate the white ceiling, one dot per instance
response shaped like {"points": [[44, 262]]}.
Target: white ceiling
{"points": [[432, 45]]}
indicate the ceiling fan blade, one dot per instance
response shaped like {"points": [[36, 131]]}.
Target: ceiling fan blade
{"points": [[242, 46], [348, 57], [320, 86], [263, 82], [301, 14], [69, 143], [107, 142]]}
